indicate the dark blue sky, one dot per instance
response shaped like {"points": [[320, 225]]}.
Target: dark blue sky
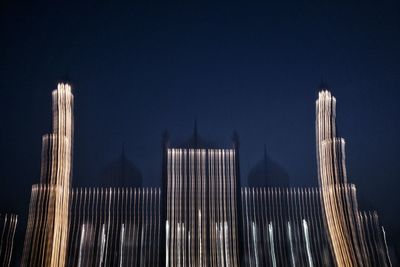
{"points": [[139, 69]]}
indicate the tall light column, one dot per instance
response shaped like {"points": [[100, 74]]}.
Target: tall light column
{"points": [[47, 231], [339, 205]]}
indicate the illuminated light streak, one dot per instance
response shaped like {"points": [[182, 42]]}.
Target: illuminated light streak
{"points": [[218, 258], [386, 247], [179, 248], [199, 195], [291, 244], [184, 238], [270, 206], [8, 224], [11, 240], [167, 242], [102, 244], [307, 238], [227, 252], [255, 244], [144, 202], [272, 244], [352, 236], [51, 224], [221, 244], [247, 225], [121, 254], [81, 245], [380, 244], [200, 241], [339, 245], [30, 226], [115, 245]]}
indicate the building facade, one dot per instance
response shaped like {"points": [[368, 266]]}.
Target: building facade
{"points": [[202, 208], [200, 216]]}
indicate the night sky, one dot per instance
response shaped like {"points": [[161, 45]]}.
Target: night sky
{"points": [[142, 68]]}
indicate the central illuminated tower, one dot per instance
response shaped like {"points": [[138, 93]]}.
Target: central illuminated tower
{"points": [[201, 206], [47, 231]]}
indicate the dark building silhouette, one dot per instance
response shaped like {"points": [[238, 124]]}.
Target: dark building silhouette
{"points": [[268, 173], [121, 172], [195, 141]]}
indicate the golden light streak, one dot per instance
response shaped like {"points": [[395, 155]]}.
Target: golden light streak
{"points": [[48, 225], [8, 225], [349, 236]]}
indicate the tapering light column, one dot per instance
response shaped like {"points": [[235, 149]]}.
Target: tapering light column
{"points": [[336, 194], [47, 234]]}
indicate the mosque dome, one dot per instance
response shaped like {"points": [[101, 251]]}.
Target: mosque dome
{"points": [[121, 173], [268, 173]]}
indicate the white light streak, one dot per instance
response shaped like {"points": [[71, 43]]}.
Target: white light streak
{"points": [[307, 238]]}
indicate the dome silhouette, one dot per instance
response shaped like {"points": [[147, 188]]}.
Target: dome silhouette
{"points": [[121, 173], [268, 173]]}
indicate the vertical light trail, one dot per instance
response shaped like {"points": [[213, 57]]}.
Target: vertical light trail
{"points": [[200, 241], [270, 209], [167, 243], [201, 207], [226, 236], [179, 248], [50, 221], [255, 244], [102, 244], [8, 224], [117, 242], [272, 244], [81, 245], [121, 254], [386, 247], [352, 243], [307, 238], [291, 244], [221, 243], [30, 227]]}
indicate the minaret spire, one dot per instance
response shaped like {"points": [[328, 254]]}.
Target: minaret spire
{"points": [[265, 160], [323, 85]]}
